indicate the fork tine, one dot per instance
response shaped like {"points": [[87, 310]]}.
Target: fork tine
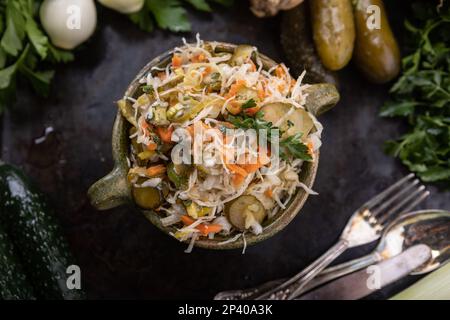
{"points": [[394, 197], [378, 198], [397, 208], [416, 202]]}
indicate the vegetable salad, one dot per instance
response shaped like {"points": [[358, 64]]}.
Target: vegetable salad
{"points": [[210, 100]]}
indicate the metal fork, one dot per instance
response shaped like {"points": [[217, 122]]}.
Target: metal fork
{"points": [[365, 225]]}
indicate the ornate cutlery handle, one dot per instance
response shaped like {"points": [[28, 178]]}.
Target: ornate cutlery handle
{"points": [[341, 269], [291, 288]]}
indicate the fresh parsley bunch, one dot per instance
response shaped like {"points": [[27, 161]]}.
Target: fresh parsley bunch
{"points": [[25, 50], [170, 14], [422, 96]]}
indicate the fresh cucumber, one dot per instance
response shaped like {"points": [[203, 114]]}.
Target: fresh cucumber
{"points": [[13, 281], [36, 234]]}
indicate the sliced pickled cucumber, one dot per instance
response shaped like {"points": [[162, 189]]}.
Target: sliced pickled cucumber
{"points": [[244, 209], [289, 119], [241, 55], [147, 197], [127, 111]]}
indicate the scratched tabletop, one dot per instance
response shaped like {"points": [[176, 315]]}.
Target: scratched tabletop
{"points": [[122, 255]]}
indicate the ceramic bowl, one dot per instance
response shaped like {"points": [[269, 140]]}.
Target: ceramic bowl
{"points": [[114, 190]]}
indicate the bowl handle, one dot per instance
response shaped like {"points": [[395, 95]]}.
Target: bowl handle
{"points": [[110, 191], [321, 97]]}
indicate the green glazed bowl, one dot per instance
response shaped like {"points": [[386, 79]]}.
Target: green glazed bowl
{"points": [[114, 189]]}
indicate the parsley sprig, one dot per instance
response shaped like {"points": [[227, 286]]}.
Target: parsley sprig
{"points": [[422, 96], [290, 147], [170, 14], [24, 49]]}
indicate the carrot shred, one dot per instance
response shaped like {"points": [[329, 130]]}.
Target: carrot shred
{"points": [[237, 180], [152, 146], [165, 133], [261, 93], [236, 169], [156, 170], [310, 148], [250, 168], [252, 111], [204, 229], [176, 61], [187, 221], [268, 193], [235, 87], [234, 107], [206, 71]]}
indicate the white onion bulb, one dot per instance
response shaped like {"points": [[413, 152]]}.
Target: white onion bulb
{"points": [[68, 22]]}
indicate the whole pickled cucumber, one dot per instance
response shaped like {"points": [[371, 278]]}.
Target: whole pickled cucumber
{"points": [[333, 31], [376, 51], [298, 47]]}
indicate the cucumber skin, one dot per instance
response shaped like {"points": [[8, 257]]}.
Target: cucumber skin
{"points": [[13, 281], [36, 234]]}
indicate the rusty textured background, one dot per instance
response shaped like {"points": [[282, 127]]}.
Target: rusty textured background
{"points": [[120, 253]]}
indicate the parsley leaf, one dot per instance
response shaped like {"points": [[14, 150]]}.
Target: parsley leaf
{"points": [[249, 104], [143, 20], [170, 14], [293, 146], [289, 147], [14, 34], [37, 37], [201, 5], [422, 96]]}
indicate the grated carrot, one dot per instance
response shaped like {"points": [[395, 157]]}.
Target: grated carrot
{"points": [[252, 111], [187, 221], [176, 61], [235, 87], [237, 180], [152, 146], [236, 169], [234, 107], [165, 133], [198, 58], [204, 229], [156, 170], [268, 193], [310, 148], [250, 168], [207, 71], [261, 94]]}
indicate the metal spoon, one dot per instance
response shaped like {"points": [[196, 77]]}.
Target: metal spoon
{"points": [[430, 227]]}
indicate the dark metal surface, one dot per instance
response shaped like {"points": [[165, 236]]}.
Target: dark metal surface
{"points": [[120, 253]]}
